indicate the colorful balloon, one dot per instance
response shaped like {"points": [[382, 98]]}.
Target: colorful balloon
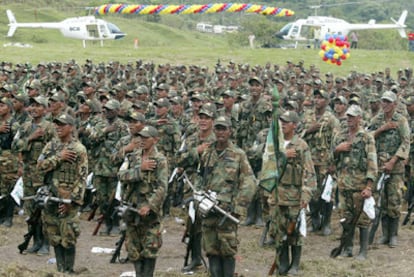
{"points": [[192, 9], [334, 49]]}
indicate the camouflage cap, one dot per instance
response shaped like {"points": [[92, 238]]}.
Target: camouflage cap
{"points": [[120, 87], [112, 104], [6, 88], [177, 100], [222, 121], [57, 97], [354, 110], [208, 109], [341, 99], [35, 84], [163, 102], [354, 101], [142, 89], [7, 101], [389, 96], [141, 105], [89, 84], [94, 106], [197, 96], [228, 93], [65, 119], [379, 80], [403, 78], [292, 104], [322, 93], [255, 79], [40, 100], [409, 100], [21, 97], [162, 86], [131, 94], [135, 116], [290, 116], [374, 97], [148, 131]]}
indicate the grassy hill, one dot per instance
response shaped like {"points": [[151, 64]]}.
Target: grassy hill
{"points": [[171, 42]]}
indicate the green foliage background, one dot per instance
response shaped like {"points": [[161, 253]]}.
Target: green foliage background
{"points": [[173, 38]]}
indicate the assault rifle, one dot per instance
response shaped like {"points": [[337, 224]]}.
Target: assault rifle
{"points": [[207, 202], [378, 211], [41, 198], [102, 217]]}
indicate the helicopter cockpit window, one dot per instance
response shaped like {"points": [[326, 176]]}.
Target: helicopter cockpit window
{"points": [[295, 30], [286, 28], [113, 28]]}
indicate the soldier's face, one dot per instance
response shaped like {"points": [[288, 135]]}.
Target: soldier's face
{"points": [[63, 130], [339, 107], [320, 102], [205, 123], [387, 106], [255, 89], [228, 101], [4, 109], [148, 142], [288, 128], [135, 126], [222, 133], [37, 110]]}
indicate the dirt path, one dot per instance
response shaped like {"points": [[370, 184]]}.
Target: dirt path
{"points": [[251, 260]]}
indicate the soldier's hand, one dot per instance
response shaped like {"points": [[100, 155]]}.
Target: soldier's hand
{"points": [[366, 193], [313, 128], [202, 147], [148, 165], [303, 204], [162, 121], [64, 208], [5, 127], [134, 144], [389, 125], [291, 153], [343, 147], [109, 129], [68, 155], [40, 132], [144, 211]]}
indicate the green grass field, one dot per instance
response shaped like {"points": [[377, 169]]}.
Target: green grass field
{"points": [[161, 43]]}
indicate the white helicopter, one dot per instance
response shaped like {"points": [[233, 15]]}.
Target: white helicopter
{"points": [[318, 26], [83, 27]]}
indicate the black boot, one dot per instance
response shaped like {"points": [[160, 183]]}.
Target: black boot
{"points": [[149, 267], [37, 238], [296, 254], [349, 245], [166, 206], [393, 229], [60, 257], [195, 253], [316, 219], [229, 266], [251, 213], [363, 242], [284, 258], [9, 210], [326, 224], [139, 268], [385, 239], [259, 214], [215, 266], [115, 225], [70, 259], [44, 249]]}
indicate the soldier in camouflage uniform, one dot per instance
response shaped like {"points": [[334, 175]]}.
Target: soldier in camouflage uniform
{"points": [[9, 163], [295, 190], [29, 142], [224, 170], [320, 126], [392, 137], [355, 158], [169, 140], [66, 162], [188, 157], [105, 135], [144, 176], [254, 116]]}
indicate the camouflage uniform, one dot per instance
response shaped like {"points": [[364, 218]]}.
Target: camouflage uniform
{"points": [[105, 170], [230, 176], [320, 145], [393, 143], [354, 169], [144, 188], [67, 181], [9, 165]]}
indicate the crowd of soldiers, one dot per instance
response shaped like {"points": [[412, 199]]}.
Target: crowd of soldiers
{"points": [[145, 126]]}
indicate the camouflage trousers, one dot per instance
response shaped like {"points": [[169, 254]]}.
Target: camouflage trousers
{"points": [[350, 203], [288, 217], [391, 199], [8, 172], [143, 240], [60, 230], [219, 240], [105, 191], [321, 173]]}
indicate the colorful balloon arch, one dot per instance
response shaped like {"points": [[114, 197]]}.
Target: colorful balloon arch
{"points": [[192, 9]]}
